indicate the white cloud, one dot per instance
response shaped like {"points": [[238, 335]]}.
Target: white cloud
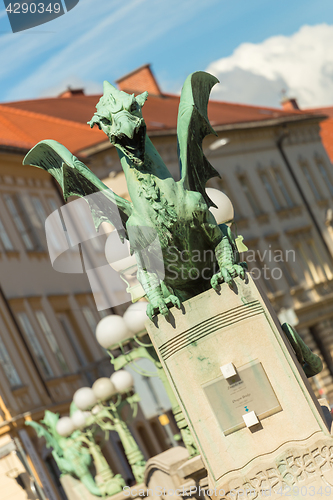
{"points": [[301, 64]]}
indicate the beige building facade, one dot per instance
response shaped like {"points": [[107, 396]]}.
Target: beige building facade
{"points": [[48, 347]]}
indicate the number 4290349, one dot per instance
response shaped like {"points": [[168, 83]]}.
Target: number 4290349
{"points": [[33, 8]]}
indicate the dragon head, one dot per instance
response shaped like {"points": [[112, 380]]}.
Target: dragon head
{"points": [[119, 116]]}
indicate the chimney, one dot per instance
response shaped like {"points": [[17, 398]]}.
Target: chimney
{"points": [[71, 93], [289, 104], [138, 81]]}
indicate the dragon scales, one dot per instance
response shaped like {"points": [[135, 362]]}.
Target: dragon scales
{"points": [[165, 219]]}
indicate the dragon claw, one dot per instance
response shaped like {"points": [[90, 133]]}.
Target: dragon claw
{"points": [[160, 306], [227, 275], [174, 301]]}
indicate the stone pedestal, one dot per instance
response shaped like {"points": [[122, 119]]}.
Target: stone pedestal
{"points": [[75, 490], [172, 475], [291, 445], [161, 475]]}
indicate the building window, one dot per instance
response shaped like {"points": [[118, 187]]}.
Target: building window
{"points": [[8, 367], [270, 191], [259, 270], [39, 209], [310, 180], [71, 335], [44, 324], [35, 345], [283, 260], [90, 318], [7, 244], [53, 237], [325, 176], [283, 189], [316, 269], [250, 196], [36, 216], [323, 271], [304, 263], [19, 223], [52, 204]]}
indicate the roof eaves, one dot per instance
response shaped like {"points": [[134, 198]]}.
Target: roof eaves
{"points": [[95, 148], [6, 148], [270, 122], [225, 127], [45, 117]]}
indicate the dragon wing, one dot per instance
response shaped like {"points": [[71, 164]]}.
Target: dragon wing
{"points": [[76, 179], [51, 442], [192, 127]]}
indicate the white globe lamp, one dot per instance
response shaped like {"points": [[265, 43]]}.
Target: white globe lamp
{"points": [[122, 380], [65, 426], [79, 419], [112, 330], [118, 255], [135, 317], [103, 389], [84, 398], [224, 211]]}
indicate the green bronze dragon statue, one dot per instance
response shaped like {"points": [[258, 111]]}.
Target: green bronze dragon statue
{"points": [[165, 219], [164, 215], [71, 456], [75, 454]]}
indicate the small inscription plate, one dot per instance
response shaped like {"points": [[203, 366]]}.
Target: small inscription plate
{"points": [[248, 391]]}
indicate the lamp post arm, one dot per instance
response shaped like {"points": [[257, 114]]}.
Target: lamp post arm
{"points": [[135, 354], [115, 423], [148, 352], [132, 450]]}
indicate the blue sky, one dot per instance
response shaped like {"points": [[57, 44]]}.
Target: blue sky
{"points": [[238, 41]]}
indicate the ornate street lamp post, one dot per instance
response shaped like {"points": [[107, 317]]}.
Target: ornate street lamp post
{"points": [[108, 483], [106, 400], [128, 334]]}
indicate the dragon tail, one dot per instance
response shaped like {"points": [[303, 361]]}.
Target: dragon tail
{"points": [[311, 363]]}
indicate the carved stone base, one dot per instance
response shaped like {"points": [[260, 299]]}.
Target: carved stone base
{"points": [[296, 470], [75, 490], [292, 444], [161, 473]]}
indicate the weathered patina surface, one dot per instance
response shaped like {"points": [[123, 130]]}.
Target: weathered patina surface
{"points": [[166, 220], [168, 224], [70, 454]]}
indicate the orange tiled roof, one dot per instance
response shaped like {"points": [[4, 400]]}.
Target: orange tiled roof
{"points": [[23, 129], [64, 118], [140, 80], [326, 128], [160, 112]]}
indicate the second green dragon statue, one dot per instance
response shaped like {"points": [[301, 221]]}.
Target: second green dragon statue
{"points": [[165, 219]]}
